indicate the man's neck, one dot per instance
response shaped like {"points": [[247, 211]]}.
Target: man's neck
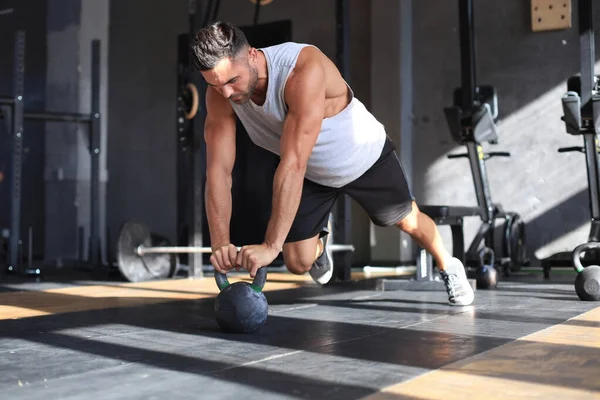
{"points": [[260, 91]]}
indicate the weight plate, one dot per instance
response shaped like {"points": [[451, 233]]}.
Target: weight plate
{"points": [[515, 242], [136, 268], [161, 241]]}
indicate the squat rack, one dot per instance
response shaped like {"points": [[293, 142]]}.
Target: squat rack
{"points": [[13, 112]]}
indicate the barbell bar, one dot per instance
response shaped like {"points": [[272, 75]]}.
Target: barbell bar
{"points": [[143, 256], [142, 250]]}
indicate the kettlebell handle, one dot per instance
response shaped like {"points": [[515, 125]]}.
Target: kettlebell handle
{"points": [[257, 284], [580, 249]]}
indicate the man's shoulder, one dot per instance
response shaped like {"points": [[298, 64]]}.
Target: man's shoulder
{"points": [[287, 48], [283, 45], [292, 54]]}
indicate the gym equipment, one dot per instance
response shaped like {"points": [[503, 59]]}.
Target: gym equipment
{"points": [[587, 281], [13, 112], [342, 210], [134, 268], [241, 307], [581, 107], [189, 100], [471, 121], [189, 128], [140, 259]]}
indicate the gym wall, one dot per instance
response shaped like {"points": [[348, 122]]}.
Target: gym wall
{"points": [[528, 69], [141, 145]]}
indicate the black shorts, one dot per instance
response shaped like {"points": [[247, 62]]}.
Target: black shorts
{"points": [[382, 191]]}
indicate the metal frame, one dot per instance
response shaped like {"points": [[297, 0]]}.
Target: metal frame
{"points": [[17, 115], [471, 117], [582, 117], [469, 87], [191, 168], [342, 232], [488, 211], [464, 119], [94, 141], [589, 130]]}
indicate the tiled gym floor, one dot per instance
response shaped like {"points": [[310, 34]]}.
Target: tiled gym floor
{"points": [[159, 340]]}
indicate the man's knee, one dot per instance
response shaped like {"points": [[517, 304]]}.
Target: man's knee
{"points": [[299, 259], [410, 223], [298, 265]]}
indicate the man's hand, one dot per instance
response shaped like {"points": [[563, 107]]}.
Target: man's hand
{"points": [[223, 258], [253, 257]]}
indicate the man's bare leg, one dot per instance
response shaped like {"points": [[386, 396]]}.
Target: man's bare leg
{"points": [[425, 232], [300, 256]]}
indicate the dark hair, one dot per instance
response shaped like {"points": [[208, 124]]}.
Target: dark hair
{"points": [[215, 42]]}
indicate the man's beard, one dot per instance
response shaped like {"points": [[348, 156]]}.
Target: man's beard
{"points": [[245, 96]]}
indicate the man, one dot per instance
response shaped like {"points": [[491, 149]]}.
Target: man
{"points": [[293, 102]]}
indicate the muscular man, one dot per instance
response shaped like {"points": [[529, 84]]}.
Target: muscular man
{"points": [[293, 102]]}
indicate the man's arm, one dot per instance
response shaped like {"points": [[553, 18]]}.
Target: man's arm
{"points": [[305, 97], [219, 134]]}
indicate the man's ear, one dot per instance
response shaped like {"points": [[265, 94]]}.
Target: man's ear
{"points": [[252, 54]]}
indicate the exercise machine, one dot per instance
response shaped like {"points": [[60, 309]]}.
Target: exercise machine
{"points": [[471, 121], [581, 108]]}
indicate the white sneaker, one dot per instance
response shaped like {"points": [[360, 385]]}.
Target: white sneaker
{"points": [[322, 269], [460, 292]]}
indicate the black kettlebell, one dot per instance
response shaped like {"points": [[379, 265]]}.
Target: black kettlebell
{"points": [[241, 307], [487, 275], [587, 281]]}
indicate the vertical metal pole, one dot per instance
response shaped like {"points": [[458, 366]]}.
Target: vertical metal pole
{"points": [[343, 222], [183, 147], [406, 87], [591, 158], [587, 54], [468, 88], [81, 244], [17, 161], [94, 129], [30, 248], [482, 189], [467, 53], [198, 157], [406, 107], [193, 19]]}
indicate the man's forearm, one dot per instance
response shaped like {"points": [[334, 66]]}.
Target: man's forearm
{"points": [[287, 191], [218, 210]]}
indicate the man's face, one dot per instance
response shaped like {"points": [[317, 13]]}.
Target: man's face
{"points": [[234, 79]]}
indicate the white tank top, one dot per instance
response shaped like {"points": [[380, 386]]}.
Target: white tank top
{"points": [[349, 143]]}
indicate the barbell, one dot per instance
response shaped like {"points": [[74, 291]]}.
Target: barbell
{"points": [[143, 256]]}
